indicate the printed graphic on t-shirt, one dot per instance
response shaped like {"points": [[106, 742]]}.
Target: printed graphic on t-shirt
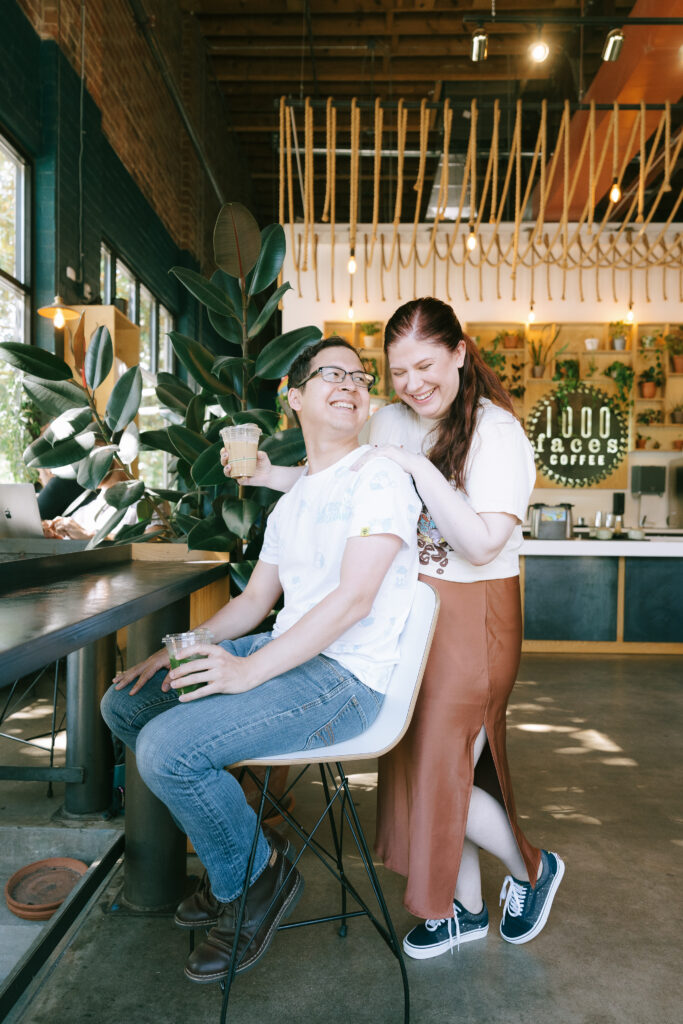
{"points": [[431, 546]]}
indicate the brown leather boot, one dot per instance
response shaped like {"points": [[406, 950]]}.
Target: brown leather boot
{"points": [[201, 909], [280, 885]]}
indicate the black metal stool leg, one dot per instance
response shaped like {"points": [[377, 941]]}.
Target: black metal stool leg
{"points": [[379, 895], [337, 840]]}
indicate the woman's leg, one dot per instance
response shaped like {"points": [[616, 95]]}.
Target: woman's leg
{"points": [[488, 828]]}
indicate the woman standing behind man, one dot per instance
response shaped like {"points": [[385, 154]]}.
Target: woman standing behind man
{"points": [[445, 791]]}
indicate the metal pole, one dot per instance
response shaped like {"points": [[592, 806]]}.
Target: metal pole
{"points": [[89, 672], [154, 865]]}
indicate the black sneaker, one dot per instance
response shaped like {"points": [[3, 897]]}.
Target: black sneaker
{"points": [[436, 937], [526, 910]]}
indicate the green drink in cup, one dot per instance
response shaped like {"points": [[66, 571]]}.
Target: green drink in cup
{"points": [[177, 643]]}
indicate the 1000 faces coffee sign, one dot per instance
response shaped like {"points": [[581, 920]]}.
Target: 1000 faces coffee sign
{"points": [[583, 442]]}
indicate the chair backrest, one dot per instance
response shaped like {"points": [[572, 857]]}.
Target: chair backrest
{"points": [[399, 702]]}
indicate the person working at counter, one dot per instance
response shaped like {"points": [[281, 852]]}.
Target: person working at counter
{"points": [[341, 545]]}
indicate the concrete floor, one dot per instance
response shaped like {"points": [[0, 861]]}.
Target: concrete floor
{"points": [[595, 745]]}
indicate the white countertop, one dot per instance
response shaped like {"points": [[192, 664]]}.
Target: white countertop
{"points": [[659, 547]]}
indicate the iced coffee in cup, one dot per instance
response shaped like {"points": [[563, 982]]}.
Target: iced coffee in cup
{"points": [[241, 444], [178, 643]]}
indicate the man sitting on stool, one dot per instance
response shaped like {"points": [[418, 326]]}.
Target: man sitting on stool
{"points": [[341, 545]]}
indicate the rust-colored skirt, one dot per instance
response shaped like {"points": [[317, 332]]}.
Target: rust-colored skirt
{"points": [[426, 781]]}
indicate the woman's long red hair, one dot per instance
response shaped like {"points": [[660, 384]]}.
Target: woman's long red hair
{"points": [[432, 320]]}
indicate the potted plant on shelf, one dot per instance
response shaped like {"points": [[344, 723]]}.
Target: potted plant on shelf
{"points": [[540, 349], [649, 416], [674, 343], [618, 332], [369, 333], [623, 376], [205, 509], [492, 357], [677, 413], [567, 375], [511, 338], [641, 441], [651, 378]]}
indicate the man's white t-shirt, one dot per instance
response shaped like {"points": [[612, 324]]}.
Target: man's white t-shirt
{"points": [[306, 535], [499, 477]]}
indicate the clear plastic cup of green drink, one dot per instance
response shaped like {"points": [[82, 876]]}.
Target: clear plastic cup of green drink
{"points": [[177, 643]]}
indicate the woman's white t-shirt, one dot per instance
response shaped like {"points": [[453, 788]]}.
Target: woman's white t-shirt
{"points": [[306, 535], [499, 477]]}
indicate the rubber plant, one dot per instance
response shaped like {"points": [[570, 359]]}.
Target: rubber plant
{"points": [[206, 509]]}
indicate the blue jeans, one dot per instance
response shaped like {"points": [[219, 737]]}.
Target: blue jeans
{"points": [[182, 749]]}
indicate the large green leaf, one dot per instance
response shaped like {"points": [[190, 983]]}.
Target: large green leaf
{"points": [[99, 357], [157, 440], [266, 419], [106, 528], [57, 396], [167, 494], [241, 571], [124, 494], [270, 259], [187, 443], [134, 530], [42, 455], [268, 310], [68, 424], [124, 400], [129, 444], [228, 328], [198, 361], [213, 430], [230, 404], [236, 240], [172, 392], [211, 535], [35, 361], [196, 413], [285, 448], [239, 515], [276, 358], [207, 293], [207, 469], [92, 471]]}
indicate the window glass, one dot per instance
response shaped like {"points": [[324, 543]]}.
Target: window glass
{"points": [[105, 275], [125, 289], [146, 322], [17, 417], [11, 213], [165, 347]]}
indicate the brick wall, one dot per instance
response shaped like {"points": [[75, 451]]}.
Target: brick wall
{"points": [[138, 116]]}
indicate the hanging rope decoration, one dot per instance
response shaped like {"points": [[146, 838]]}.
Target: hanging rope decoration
{"points": [[576, 242]]}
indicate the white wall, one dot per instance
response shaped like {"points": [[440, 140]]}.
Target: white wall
{"points": [[657, 298], [471, 300]]}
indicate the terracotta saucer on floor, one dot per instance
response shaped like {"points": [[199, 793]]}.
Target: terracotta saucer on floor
{"points": [[35, 891]]}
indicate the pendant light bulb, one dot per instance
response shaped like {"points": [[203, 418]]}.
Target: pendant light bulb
{"points": [[471, 243], [615, 193], [59, 312], [352, 266], [630, 316], [350, 312], [531, 315], [538, 51], [59, 320]]}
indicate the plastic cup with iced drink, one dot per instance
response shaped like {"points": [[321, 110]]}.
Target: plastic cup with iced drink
{"points": [[241, 444], [177, 643]]}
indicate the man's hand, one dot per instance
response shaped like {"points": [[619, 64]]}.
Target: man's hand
{"points": [[408, 461], [144, 671], [221, 671], [261, 477]]}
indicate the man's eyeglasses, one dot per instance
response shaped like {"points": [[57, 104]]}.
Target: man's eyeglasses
{"points": [[335, 375]]}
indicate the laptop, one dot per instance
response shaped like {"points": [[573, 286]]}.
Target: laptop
{"points": [[19, 515]]}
